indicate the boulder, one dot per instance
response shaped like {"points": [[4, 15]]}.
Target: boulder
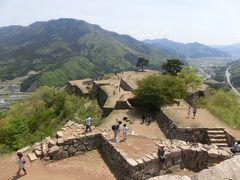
{"points": [[51, 143], [32, 156], [72, 149], [213, 153], [38, 153], [189, 154], [53, 150], [60, 141], [59, 134]]}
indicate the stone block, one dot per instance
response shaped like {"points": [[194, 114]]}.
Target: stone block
{"points": [[213, 153], [201, 156], [59, 134], [38, 153], [69, 140], [53, 150], [131, 162], [24, 149], [146, 159], [32, 156], [60, 141], [51, 143], [81, 147], [149, 156], [190, 164], [72, 149], [139, 161], [189, 154], [224, 154]]}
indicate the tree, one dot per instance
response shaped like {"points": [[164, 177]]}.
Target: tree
{"points": [[190, 78], [172, 66], [142, 62], [158, 90]]}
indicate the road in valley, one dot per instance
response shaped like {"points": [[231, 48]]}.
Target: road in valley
{"points": [[228, 76]]}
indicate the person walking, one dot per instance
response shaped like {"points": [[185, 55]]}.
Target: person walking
{"points": [[88, 123], [115, 129], [21, 161], [189, 111], [124, 132], [143, 118], [194, 112], [149, 119]]}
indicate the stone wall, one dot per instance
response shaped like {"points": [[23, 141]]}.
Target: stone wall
{"points": [[230, 138], [125, 85], [195, 135], [167, 125]]}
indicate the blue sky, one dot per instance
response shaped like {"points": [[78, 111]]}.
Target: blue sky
{"points": [[205, 21]]}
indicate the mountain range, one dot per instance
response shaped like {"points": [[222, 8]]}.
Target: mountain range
{"points": [[187, 50], [233, 49], [65, 49]]}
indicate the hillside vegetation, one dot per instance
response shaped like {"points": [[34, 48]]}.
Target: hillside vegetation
{"points": [[45, 112], [67, 49], [224, 105]]}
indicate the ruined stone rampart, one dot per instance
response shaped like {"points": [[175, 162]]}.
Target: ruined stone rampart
{"points": [[195, 135]]}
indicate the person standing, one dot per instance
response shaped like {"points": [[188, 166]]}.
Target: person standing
{"points": [[124, 132], [143, 118], [115, 129], [194, 111], [21, 161], [189, 111], [88, 123], [149, 119]]}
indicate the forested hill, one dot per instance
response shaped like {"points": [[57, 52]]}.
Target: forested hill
{"points": [[191, 50], [66, 49]]}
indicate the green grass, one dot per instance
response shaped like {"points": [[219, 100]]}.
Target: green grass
{"points": [[224, 105]]}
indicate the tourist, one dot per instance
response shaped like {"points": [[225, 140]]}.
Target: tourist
{"points": [[21, 161], [88, 123], [236, 147], [143, 118], [149, 119], [194, 111], [189, 111], [161, 153], [115, 129], [124, 132]]}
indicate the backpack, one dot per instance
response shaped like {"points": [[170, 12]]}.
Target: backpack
{"points": [[114, 127]]}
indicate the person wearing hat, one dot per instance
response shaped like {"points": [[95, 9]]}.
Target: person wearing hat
{"points": [[88, 123]]}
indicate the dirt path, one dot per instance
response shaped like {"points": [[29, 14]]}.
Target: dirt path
{"points": [[203, 119], [89, 166], [149, 131]]}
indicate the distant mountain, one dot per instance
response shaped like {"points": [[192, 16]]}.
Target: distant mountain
{"points": [[66, 49], [190, 50], [233, 49]]}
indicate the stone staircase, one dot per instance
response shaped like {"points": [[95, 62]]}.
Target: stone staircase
{"points": [[217, 137]]}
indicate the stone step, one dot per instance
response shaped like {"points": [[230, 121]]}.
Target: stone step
{"points": [[221, 144], [215, 132], [216, 129], [218, 141], [216, 136]]}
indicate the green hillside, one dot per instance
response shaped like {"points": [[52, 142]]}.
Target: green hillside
{"points": [[65, 49], [235, 74]]}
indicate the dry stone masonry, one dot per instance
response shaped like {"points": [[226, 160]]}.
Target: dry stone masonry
{"points": [[71, 141]]}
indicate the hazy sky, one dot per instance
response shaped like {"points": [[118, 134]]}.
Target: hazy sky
{"points": [[205, 21]]}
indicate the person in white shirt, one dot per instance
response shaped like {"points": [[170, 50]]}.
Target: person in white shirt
{"points": [[88, 123], [21, 161], [236, 147], [124, 132]]}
